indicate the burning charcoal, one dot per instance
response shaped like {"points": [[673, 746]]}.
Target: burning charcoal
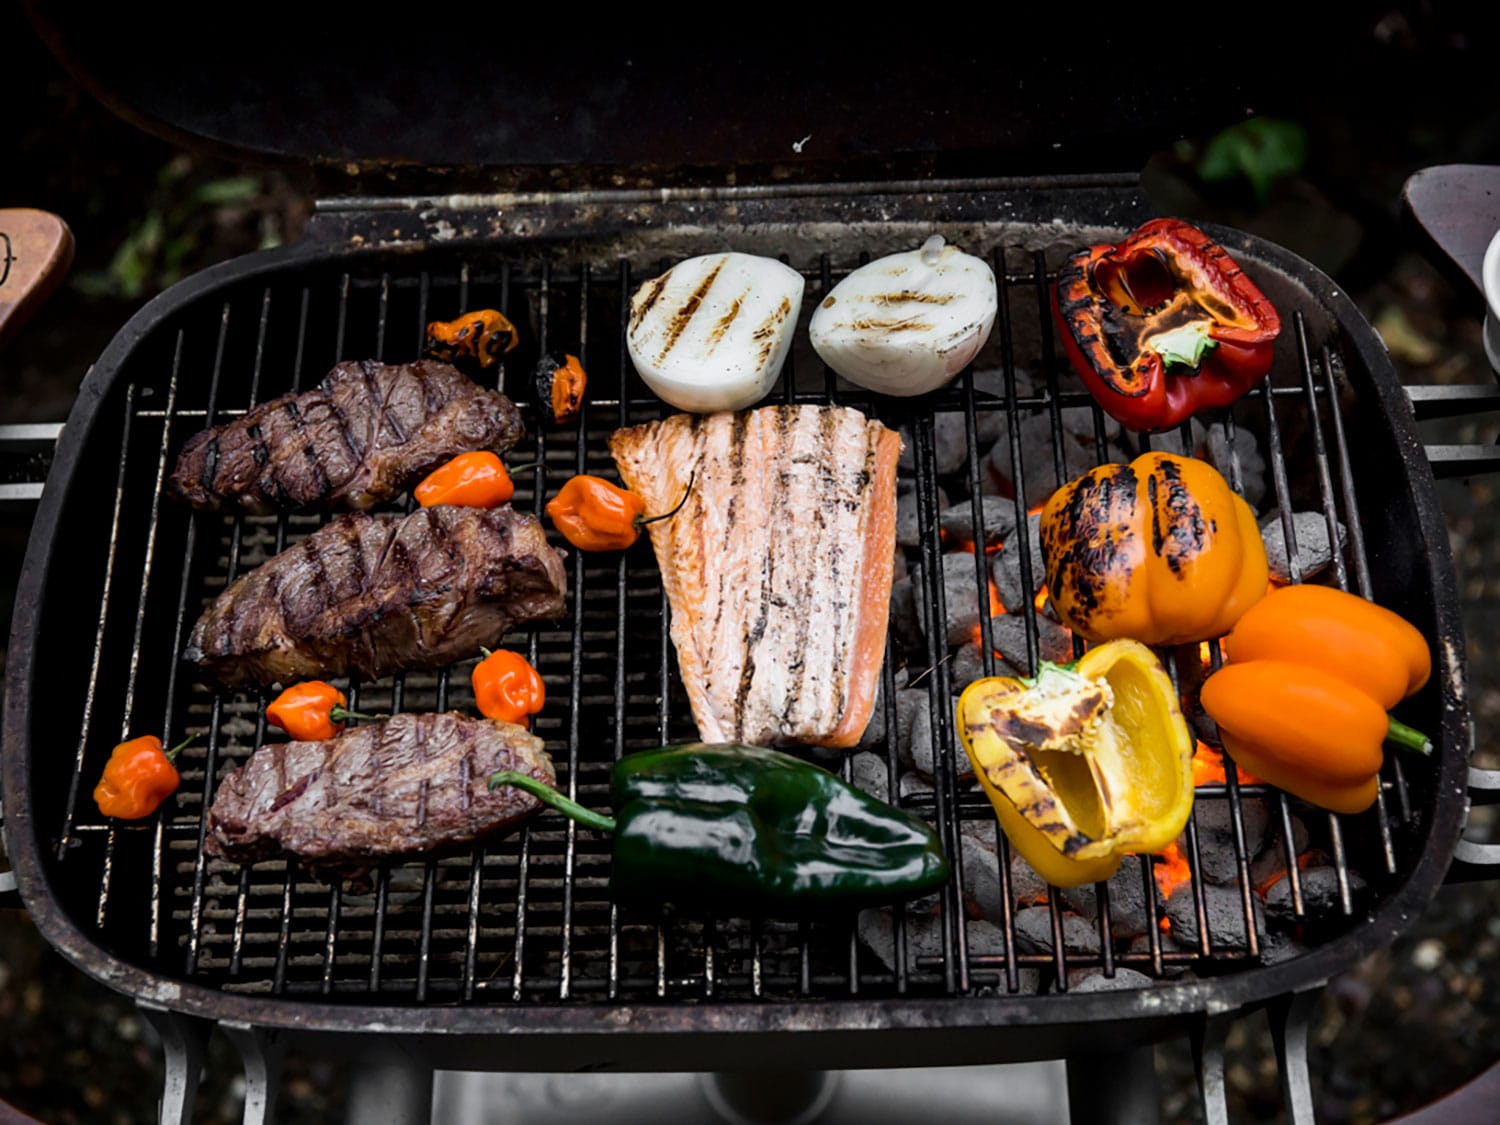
{"points": [[950, 448], [1039, 466], [982, 895], [914, 730], [1216, 855], [962, 594], [1094, 980], [998, 516], [1271, 863], [924, 935], [1034, 932], [1005, 568], [1127, 901], [966, 667], [1218, 452], [1313, 551], [908, 524], [904, 625], [1027, 888], [869, 774], [1320, 893], [1226, 916], [1008, 634], [985, 938], [1279, 947], [912, 783]]}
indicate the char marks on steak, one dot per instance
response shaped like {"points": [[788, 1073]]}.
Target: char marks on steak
{"points": [[371, 595], [365, 434], [777, 567], [411, 784]]}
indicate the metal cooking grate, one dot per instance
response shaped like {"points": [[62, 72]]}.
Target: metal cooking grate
{"points": [[527, 918]]}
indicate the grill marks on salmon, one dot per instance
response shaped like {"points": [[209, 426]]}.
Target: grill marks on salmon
{"points": [[371, 595], [365, 434], [408, 785], [778, 566]]}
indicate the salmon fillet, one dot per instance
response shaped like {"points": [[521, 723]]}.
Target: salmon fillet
{"points": [[778, 566]]}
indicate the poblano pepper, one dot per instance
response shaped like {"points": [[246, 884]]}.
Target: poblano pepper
{"points": [[751, 829]]}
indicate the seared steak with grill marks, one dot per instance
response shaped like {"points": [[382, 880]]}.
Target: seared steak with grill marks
{"points": [[412, 783], [370, 595], [364, 435]]}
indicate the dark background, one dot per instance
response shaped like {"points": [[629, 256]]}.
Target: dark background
{"points": [[1320, 171]]}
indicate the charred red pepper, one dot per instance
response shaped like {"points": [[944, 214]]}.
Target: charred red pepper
{"points": [[1163, 324], [138, 777]]}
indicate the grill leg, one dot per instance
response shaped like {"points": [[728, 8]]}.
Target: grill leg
{"points": [[261, 1052], [751, 1096], [390, 1086], [184, 1040], [1208, 1061], [1289, 1016], [1114, 1089]]}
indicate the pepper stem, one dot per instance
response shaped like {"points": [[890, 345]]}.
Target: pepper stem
{"points": [[642, 521], [341, 714], [171, 755], [1408, 737], [550, 796], [513, 469]]}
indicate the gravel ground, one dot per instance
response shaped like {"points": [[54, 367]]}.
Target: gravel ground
{"points": [[74, 1051]]}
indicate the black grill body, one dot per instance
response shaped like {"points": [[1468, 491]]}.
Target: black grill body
{"points": [[516, 944]]}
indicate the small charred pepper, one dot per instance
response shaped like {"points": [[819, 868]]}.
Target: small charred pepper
{"points": [[562, 386], [751, 829], [482, 336], [138, 777], [507, 687], [1161, 550], [1163, 324], [594, 515], [311, 711], [1083, 763], [1302, 702], [470, 480]]}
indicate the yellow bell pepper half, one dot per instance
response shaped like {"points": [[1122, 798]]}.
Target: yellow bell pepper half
{"points": [[1085, 763]]}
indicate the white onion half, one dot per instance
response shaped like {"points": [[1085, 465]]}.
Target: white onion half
{"points": [[712, 332], [908, 323]]}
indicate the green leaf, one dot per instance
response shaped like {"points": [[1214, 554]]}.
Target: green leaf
{"points": [[232, 189], [1184, 346], [1262, 150]]}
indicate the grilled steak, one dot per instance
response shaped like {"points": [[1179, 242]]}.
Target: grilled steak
{"points": [[777, 568], [412, 783], [370, 595], [365, 434]]}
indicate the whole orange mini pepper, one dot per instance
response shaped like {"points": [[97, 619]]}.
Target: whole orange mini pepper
{"points": [[1161, 551], [138, 777], [594, 515], [507, 687], [470, 480], [311, 711], [1302, 702]]}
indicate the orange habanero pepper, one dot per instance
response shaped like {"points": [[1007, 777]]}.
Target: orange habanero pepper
{"points": [[470, 480], [483, 335], [311, 711], [562, 385], [507, 687], [138, 777], [1302, 702], [594, 515], [1161, 551]]}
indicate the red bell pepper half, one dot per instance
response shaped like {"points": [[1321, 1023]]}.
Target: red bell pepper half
{"points": [[1163, 324]]}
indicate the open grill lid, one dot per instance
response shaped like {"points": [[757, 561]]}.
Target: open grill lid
{"points": [[519, 102]]}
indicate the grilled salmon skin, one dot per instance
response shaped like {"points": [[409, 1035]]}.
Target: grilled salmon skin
{"points": [[778, 566], [365, 434], [370, 595], [410, 784]]}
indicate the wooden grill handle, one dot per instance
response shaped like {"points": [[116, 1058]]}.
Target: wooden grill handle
{"points": [[36, 248]]}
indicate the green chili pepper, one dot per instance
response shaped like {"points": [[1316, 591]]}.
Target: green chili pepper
{"points": [[751, 829]]}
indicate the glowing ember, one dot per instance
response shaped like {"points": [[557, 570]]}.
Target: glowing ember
{"points": [[1171, 870], [1204, 655], [1304, 861], [1208, 768], [1040, 601]]}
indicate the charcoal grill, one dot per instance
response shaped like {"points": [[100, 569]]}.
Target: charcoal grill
{"points": [[512, 956]]}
